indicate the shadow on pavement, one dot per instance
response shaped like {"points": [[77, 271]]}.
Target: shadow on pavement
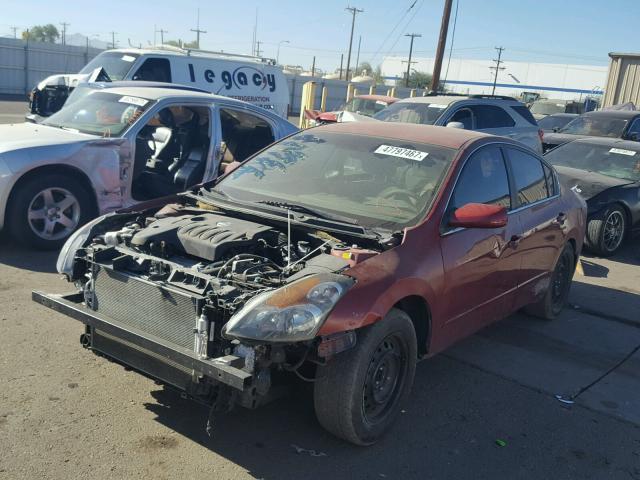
{"points": [[628, 254], [593, 269], [26, 258]]}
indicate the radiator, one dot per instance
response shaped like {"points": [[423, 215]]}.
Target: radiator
{"points": [[153, 309]]}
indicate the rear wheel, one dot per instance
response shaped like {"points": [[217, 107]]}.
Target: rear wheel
{"points": [[605, 232], [555, 298], [358, 394], [45, 211]]}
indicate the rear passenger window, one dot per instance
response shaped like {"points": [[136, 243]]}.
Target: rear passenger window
{"points": [[551, 181], [525, 113], [528, 176], [483, 180], [491, 116]]}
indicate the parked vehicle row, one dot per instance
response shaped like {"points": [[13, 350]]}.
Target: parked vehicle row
{"points": [[110, 148], [340, 255]]}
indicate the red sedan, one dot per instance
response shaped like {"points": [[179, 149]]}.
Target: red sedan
{"points": [[341, 254]]}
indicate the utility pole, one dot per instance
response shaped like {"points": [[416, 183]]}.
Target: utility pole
{"points": [[113, 39], [258, 52], [161, 32], [412, 35], [64, 32], [497, 68], [442, 40], [15, 32], [354, 11], [198, 31], [358, 55], [255, 34], [341, 62], [313, 67]]}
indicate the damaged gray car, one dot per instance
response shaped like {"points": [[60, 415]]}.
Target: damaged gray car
{"points": [[112, 148]]}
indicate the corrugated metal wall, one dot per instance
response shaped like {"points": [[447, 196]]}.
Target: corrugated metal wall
{"points": [[24, 64], [623, 83]]}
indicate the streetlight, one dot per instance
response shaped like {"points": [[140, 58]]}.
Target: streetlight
{"points": [[278, 54]]}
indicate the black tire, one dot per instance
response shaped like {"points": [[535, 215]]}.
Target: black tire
{"points": [[606, 231], [556, 295], [28, 198], [346, 388]]}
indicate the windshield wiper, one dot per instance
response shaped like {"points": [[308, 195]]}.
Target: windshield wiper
{"points": [[310, 211]]}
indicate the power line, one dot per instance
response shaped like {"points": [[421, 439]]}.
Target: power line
{"points": [[354, 11], [453, 37], [497, 68], [406, 25], [384, 42]]}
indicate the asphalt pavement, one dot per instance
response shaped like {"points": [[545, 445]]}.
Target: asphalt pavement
{"points": [[485, 409]]}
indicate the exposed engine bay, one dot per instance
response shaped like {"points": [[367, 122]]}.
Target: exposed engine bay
{"points": [[212, 284]]}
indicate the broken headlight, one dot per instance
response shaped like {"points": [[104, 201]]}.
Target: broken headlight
{"points": [[291, 313], [76, 241]]}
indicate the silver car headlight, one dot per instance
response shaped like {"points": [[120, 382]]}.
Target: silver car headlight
{"points": [[291, 313], [76, 241]]}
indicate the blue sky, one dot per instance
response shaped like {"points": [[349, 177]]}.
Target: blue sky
{"points": [[555, 31]]}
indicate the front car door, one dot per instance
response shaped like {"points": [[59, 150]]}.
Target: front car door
{"points": [[538, 211], [481, 270]]}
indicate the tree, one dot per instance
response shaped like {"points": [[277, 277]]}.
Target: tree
{"points": [[418, 80], [42, 33], [364, 68]]}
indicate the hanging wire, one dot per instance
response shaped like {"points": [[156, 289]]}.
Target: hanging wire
{"points": [[453, 36]]}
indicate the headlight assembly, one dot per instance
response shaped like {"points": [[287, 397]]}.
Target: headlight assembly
{"points": [[291, 313], [76, 241]]}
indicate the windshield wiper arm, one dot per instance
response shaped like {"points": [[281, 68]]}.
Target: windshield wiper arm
{"points": [[310, 211]]}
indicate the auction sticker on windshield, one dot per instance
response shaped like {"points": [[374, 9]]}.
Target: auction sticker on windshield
{"points": [[141, 102], [622, 151], [401, 152]]}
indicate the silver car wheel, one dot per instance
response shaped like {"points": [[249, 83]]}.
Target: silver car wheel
{"points": [[54, 213], [613, 230]]}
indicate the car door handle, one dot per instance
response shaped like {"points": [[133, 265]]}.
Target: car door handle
{"points": [[561, 218]]}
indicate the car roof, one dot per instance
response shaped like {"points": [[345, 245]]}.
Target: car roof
{"points": [[410, 132], [613, 113], [609, 142], [144, 83], [572, 115], [382, 98], [449, 99]]}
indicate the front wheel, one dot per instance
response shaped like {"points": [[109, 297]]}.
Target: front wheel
{"points": [[605, 232], [358, 394], [44, 211]]}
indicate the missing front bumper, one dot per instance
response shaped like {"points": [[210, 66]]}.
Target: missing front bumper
{"points": [[151, 355]]}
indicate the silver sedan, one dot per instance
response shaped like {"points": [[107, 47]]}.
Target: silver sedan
{"points": [[111, 148]]}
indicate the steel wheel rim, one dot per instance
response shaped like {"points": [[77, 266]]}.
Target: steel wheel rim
{"points": [[560, 282], [53, 213], [384, 379], [613, 230]]}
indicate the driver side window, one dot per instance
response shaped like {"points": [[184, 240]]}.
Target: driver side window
{"points": [[483, 180]]}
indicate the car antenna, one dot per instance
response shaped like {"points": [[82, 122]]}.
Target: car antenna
{"points": [[288, 238]]}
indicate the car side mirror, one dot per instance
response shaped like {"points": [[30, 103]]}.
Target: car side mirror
{"points": [[327, 117], [556, 129], [456, 125], [479, 215]]}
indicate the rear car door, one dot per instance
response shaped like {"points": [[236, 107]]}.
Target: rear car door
{"points": [[481, 271], [538, 210]]}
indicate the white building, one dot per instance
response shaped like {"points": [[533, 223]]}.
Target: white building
{"points": [[551, 80]]}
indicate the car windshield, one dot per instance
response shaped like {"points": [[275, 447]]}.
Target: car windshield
{"points": [[100, 113], [379, 183], [596, 126], [406, 112], [606, 160], [117, 65], [364, 106], [547, 108]]}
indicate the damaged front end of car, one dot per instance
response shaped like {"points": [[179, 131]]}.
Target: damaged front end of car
{"points": [[222, 306]]}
